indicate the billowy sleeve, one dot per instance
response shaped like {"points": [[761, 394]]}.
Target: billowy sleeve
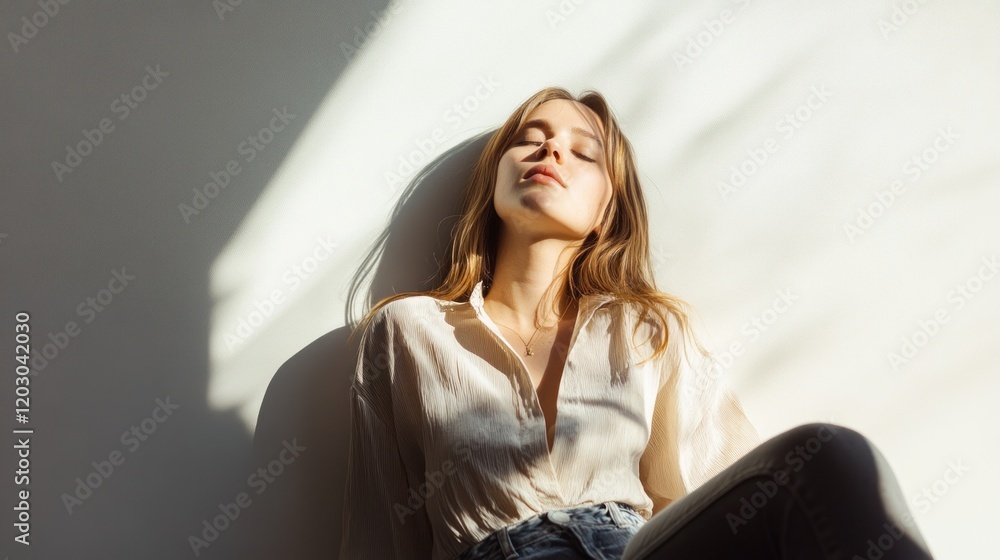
{"points": [[378, 522], [699, 426]]}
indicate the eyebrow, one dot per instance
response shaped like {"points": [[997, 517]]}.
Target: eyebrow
{"points": [[544, 125]]}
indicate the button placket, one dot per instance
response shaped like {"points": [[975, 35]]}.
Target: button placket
{"points": [[528, 395]]}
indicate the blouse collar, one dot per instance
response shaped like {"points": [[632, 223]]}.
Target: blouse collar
{"points": [[588, 302]]}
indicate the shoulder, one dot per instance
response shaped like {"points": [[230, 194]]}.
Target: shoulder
{"points": [[658, 321], [384, 340], [688, 352], [409, 310], [403, 314]]}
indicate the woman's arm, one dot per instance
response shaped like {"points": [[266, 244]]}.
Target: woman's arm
{"points": [[699, 427], [378, 521]]}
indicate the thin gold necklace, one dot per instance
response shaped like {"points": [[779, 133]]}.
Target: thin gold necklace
{"points": [[527, 346]]}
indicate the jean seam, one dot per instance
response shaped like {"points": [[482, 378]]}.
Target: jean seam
{"points": [[531, 542], [828, 545], [507, 548], [583, 542]]}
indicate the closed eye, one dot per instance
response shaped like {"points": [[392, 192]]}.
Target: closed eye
{"points": [[578, 154]]}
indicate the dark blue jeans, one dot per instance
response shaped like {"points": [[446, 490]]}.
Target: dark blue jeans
{"points": [[817, 491], [598, 531]]}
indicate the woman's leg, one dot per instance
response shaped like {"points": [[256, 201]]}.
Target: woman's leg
{"points": [[817, 491]]}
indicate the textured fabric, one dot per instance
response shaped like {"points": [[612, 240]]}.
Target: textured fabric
{"points": [[448, 439]]}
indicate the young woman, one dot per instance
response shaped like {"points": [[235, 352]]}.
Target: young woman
{"points": [[546, 401]]}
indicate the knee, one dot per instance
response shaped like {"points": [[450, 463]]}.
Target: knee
{"points": [[815, 436], [827, 450]]}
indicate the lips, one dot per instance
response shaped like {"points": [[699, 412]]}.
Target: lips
{"points": [[547, 170]]}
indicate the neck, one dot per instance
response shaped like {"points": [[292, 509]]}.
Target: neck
{"points": [[528, 288]]}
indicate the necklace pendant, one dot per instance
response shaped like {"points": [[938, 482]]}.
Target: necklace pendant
{"points": [[528, 352]]}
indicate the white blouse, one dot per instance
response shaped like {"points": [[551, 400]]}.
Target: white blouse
{"points": [[448, 439]]}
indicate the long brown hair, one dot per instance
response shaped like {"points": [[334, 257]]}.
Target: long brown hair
{"points": [[615, 261]]}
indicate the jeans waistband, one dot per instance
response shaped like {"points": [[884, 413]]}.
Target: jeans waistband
{"points": [[527, 531]]}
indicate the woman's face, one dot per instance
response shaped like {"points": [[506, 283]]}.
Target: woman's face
{"points": [[565, 136]]}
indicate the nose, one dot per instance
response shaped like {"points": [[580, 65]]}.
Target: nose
{"points": [[550, 146]]}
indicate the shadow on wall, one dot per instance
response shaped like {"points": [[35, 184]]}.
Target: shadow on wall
{"points": [[308, 395], [132, 459]]}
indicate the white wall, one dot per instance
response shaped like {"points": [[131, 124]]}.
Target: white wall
{"points": [[828, 108]]}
